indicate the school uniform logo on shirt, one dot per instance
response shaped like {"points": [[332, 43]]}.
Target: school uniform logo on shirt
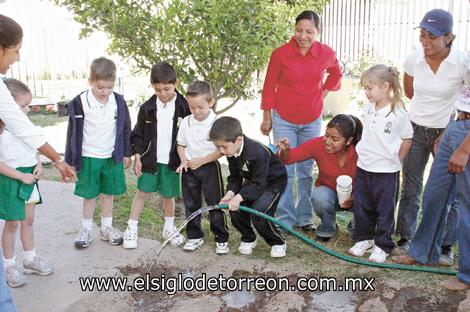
{"points": [[388, 127], [245, 167]]}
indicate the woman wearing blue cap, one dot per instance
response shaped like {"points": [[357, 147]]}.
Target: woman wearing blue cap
{"points": [[433, 78]]}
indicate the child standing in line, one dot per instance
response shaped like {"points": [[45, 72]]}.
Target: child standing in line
{"points": [[257, 179], [99, 147], [20, 168], [386, 139], [200, 169], [156, 157]]}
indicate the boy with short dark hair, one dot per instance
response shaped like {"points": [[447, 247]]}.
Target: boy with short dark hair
{"points": [[156, 157], [200, 169], [99, 147], [257, 179]]}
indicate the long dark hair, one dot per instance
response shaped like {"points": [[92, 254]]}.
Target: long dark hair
{"points": [[348, 125], [11, 32]]}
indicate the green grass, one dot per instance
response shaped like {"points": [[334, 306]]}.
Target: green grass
{"points": [[310, 260], [46, 119]]}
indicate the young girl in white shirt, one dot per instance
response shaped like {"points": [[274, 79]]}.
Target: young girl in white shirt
{"points": [[19, 170], [386, 140]]}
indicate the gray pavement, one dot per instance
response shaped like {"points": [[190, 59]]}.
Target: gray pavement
{"points": [[57, 222]]}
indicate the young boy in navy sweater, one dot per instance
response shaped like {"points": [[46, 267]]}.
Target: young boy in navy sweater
{"points": [[257, 179], [156, 157], [99, 147]]}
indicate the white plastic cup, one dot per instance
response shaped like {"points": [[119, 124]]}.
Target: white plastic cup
{"points": [[343, 188]]}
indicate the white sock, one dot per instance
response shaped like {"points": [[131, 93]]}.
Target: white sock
{"points": [[28, 256], [169, 221], [133, 224], [106, 222], [87, 223], [9, 262]]}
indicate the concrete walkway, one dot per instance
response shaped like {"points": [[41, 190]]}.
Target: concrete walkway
{"points": [[56, 225]]}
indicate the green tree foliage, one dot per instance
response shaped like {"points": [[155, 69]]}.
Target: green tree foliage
{"points": [[224, 42]]}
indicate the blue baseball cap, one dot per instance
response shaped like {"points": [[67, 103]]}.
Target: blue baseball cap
{"points": [[438, 22]]}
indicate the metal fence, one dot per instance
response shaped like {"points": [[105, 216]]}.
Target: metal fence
{"points": [[383, 29]]}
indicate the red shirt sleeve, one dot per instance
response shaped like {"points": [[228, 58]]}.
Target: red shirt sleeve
{"points": [[270, 82], [333, 81], [307, 150]]}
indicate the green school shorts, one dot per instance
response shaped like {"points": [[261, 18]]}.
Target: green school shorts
{"points": [[165, 181], [13, 194], [100, 176]]}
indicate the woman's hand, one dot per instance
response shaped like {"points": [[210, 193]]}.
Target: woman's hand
{"points": [[267, 123], [283, 144], [266, 126], [348, 203], [66, 171]]}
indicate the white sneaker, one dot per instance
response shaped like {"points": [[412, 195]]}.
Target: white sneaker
{"points": [[246, 248], [360, 248], [14, 276], [221, 248], [39, 266], [176, 239], [84, 238], [378, 255], [278, 251], [193, 244], [130, 238]]}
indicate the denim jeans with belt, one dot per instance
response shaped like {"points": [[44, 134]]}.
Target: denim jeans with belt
{"points": [[6, 301], [425, 246], [412, 184], [298, 212]]}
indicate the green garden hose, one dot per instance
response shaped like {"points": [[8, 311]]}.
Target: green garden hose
{"points": [[339, 255]]}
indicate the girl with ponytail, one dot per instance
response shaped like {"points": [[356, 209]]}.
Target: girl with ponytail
{"points": [[385, 141]]}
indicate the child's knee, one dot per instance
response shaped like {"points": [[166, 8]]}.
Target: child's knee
{"points": [[142, 195], [11, 226], [28, 221]]}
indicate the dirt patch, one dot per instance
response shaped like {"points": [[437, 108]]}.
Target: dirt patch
{"points": [[387, 296]]}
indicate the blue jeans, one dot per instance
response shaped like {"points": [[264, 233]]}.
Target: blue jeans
{"points": [[425, 246], [412, 185], [289, 212], [6, 301], [325, 205]]}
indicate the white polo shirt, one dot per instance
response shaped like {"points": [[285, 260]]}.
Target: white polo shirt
{"points": [[194, 136], [17, 122], [165, 115], [99, 126], [434, 93], [382, 136], [14, 152], [463, 102]]}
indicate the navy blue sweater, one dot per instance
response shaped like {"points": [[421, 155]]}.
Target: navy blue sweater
{"points": [[144, 135], [255, 170], [122, 144]]}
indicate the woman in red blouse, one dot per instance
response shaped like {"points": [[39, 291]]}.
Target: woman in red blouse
{"points": [[292, 104], [335, 155]]}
